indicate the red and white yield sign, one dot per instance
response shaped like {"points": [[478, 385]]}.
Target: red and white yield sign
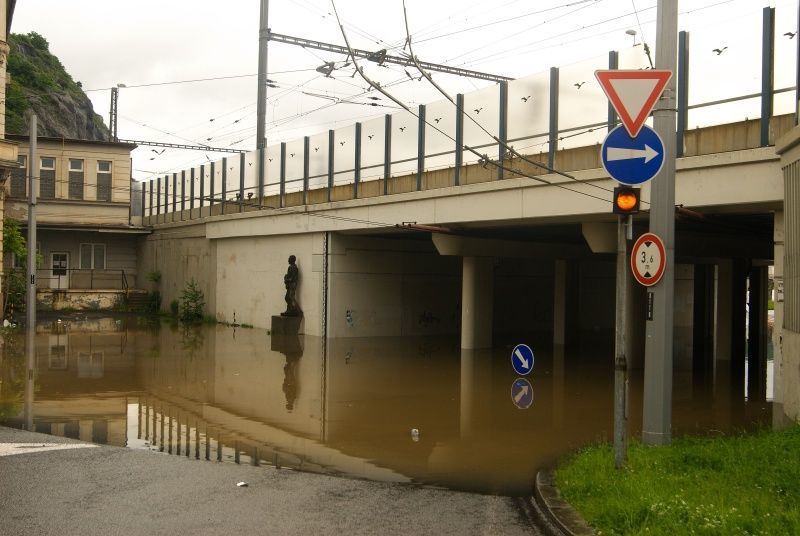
{"points": [[633, 94], [648, 259]]}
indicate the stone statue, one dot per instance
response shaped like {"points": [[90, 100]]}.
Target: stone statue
{"points": [[290, 280]]}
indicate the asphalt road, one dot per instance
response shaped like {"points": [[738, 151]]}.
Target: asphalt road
{"points": [[109, 490]]}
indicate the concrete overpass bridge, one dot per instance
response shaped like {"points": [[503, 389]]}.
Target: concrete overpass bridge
{"points": [[400, 231], [495, 260]]}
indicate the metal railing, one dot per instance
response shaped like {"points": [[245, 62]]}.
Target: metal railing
{"points": [[80, 279], [246, 184]]}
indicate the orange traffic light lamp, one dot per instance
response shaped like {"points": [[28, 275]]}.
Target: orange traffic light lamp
{"points": [[626, 200]]}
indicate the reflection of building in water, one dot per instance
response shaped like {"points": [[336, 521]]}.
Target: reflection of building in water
{"points": [[83, 371]]}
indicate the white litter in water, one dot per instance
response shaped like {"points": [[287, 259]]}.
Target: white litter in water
{"points": [[242, 484], [414, 434]]}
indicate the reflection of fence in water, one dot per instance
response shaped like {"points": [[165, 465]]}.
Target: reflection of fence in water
{"points": [[541, 113], [176, 430]]}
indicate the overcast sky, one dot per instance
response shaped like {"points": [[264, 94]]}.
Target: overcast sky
{"points": [[103, 43]]}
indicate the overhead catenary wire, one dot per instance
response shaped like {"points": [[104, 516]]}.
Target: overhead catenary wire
{"points": [[483, 158], [495, 138]]}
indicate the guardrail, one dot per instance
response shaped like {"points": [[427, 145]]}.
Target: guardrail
{"points": [[81, 279]]}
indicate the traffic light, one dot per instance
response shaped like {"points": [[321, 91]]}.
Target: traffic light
{"points": [[626, 200]]}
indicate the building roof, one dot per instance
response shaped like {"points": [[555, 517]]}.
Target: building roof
{"points": [[21, 138]]}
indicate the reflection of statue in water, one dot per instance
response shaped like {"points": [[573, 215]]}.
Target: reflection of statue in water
{"points": [[290, 346], [290, 380], [290, 280]]}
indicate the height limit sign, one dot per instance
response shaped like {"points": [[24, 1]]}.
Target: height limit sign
{"points": [[648, 259]]}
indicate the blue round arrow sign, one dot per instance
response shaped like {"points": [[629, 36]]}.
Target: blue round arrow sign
{"points": [[632, 161], [522, 393], [522, 359]]}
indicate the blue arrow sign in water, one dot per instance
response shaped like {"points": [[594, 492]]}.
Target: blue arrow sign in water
{"points": [[522, 359], [522, 393], [632, 161]]}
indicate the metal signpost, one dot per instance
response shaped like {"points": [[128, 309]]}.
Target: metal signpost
{"points": [[632, 154]]}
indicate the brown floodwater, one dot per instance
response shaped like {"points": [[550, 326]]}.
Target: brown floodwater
{"points": [[393, 409]]}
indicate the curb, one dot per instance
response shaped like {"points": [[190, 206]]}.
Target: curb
{"points": [[559, 512]]}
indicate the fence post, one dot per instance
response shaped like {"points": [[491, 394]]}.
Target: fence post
{"points": [[421, 146], [183, 192], [767, 71], [683, 91], [502, 128], [387, 153], [551, 154], [202, 188], [224, 182], [357, 175], [282, 193], [331, 143], [459, 139], [191, 192], [211, 189], [613, 63], [242, 162], [306, 157]]}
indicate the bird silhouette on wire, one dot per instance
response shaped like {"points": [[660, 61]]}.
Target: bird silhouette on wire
{"points": [[478, 110], [578, 84], [790, 35], [719, 50], [158, 152], [437, 119], [402, 129], [370, 136], [341, 143], [525, 99]]}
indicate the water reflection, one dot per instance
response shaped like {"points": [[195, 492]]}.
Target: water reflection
{"points": [[348, 407]]}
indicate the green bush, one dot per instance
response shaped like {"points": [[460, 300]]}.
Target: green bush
{"points": [[174, 307], [192, 303]]}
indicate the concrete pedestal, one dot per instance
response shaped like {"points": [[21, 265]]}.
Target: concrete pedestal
{"points": [[286, 325]]}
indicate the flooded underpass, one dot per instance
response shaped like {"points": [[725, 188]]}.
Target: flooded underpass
{"points": [[393, 409]]}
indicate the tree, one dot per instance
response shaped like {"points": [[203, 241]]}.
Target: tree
{"points": [[14, 281]]}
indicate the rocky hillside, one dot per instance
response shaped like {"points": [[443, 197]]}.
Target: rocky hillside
{"points": [[39, 84]]}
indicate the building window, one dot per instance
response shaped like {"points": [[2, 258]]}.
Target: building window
{"points": [[75, 179], [19, 177], [47, 178], [104, 180], [93, 256]]}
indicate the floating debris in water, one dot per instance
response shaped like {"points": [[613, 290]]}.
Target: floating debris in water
{"points": [[242, 484], [414, 434]]}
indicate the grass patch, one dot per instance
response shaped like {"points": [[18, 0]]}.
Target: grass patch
{"points": [[748, 484]]}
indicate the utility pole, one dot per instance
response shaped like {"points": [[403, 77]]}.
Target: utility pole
{"points": [[261, 105], [112, 115], [30, 301], [657, 411]]}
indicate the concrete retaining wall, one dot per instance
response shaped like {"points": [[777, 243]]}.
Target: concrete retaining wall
{"points": [[81, 300]]}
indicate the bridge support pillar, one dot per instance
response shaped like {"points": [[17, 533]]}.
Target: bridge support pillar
{"points": [[476, 370], [477, 295]]}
